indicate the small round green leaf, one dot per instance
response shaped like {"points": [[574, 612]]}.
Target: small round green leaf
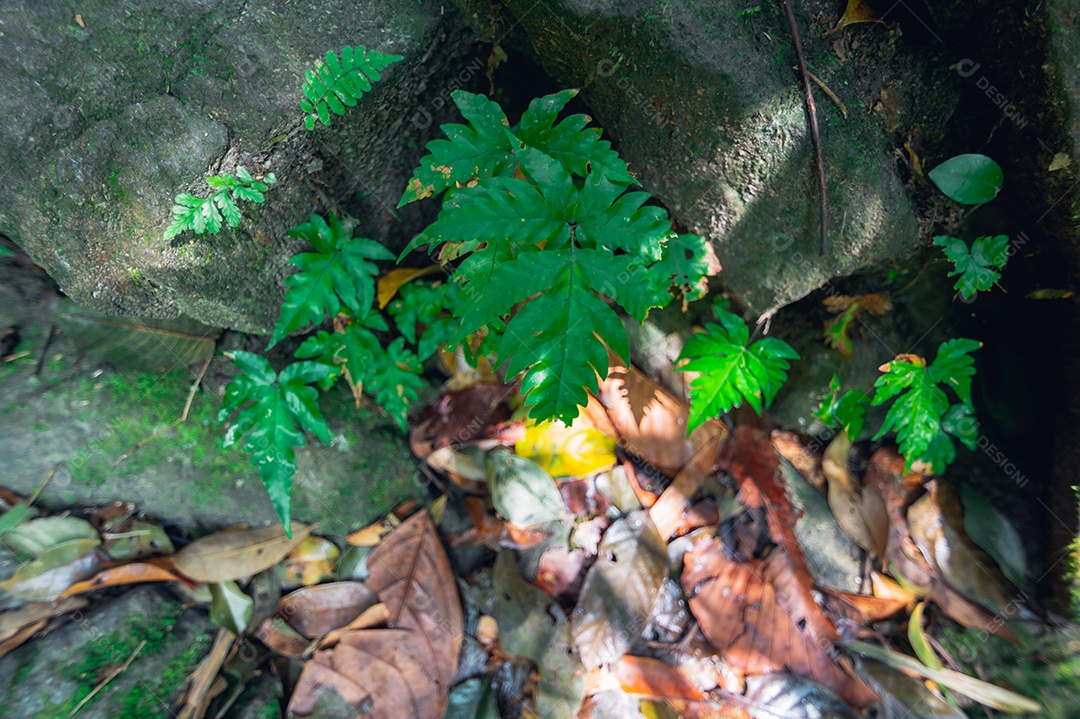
{"points": [[970, 179]]}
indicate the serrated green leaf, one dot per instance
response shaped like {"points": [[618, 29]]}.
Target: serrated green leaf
{"points": [[955, 366], [560, 345], [921, 414], [340, 82], [683, 265], [339, 273], [732, 372], [484, 148], [970, 179], [975, 267], [228, 209], [272, 410]]}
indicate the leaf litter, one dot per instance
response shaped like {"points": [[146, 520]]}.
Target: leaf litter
{"points": [[616, 565]]}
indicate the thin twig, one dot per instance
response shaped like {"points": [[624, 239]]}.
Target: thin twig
{"points": [[832, 95], [183, 417], [104, 682], [815, 134]]}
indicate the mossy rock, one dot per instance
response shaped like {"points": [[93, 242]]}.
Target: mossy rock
{"points": [[49, 676]]}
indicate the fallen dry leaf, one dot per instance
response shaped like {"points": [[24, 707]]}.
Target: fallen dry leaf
{"points": [[376, 615], [846, 499], [668, 513], [223, 556], [855, 12], [135, 573], [389, 284], [310, 562], [14, 621], [740, 608], [412, 576], [276, 633], [315, 611], [21, 636], [654, 678], [579, 450]]}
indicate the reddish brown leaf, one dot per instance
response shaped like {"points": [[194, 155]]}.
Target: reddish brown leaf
{"points": [[742, 609], [314, 611], [394, 667], [803, 454], [318, 676], [668, 512], [649, 422], [897, 490], [654, 678], [412, 576], [276, 633], [135, 573], [751, 459], [478, 412]]}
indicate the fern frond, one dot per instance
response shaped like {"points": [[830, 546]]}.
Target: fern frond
{"points": [[340, 81], [205, 214]]}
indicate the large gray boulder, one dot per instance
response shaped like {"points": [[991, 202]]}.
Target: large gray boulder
{"points": [[704, 104], [110, 113]]}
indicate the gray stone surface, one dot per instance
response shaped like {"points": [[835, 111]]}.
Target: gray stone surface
{"points": [[49, 676], [703, 103], [107, 120]]}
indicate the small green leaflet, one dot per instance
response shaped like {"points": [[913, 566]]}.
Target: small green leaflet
{"points": [[273, 410], [732, 372], [338, 273], [340, 81], [485, 147], [205, 214], [5, 252], [975, 266], [847, 410], [684, 264], [425, 304], [921, 414]]}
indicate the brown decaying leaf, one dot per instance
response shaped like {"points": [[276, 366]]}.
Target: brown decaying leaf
{"points": [[14, 621], [739, 607], [405, 670], [135, 573], [376, 615], [855, 12], [315, 611], [936, 521], [867, 528], [412, 576], [750, 458], [649, 422], [620, 590], [276, 633], [233, 555], [654, 678], [478, 414], [897, 490], [19, 638], [668, 513], [803, 455]]}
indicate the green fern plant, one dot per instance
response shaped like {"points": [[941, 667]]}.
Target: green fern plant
{"points": [[845, 411], [338, 82], [978, 267], [205, 214], [921, 413], [272, 411], [733, 370], [337, 281], [550, 240]]}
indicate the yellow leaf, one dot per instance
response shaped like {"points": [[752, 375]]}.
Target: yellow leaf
{"points": [[310, 562], [391, 282], [855, 13], [575, 451]]}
